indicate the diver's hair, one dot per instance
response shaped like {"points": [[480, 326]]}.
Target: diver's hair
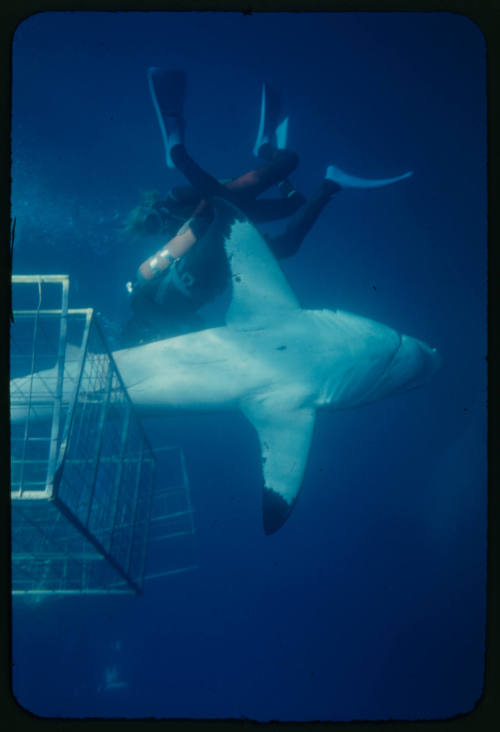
{"points": [[134, 222]]}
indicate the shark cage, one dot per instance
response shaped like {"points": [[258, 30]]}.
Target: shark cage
{"points": [[87, 514]]}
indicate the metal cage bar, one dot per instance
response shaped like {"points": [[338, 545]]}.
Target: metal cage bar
{"points": [[61, 521], [84, 502], [54, 437]]}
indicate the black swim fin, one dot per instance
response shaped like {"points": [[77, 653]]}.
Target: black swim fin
{"points": [[168, 90], [273, 128]]}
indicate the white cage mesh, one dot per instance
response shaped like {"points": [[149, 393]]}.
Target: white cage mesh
{"points": [[82, 470]]}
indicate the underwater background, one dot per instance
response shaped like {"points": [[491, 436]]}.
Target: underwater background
{"points": [[370, 602]]}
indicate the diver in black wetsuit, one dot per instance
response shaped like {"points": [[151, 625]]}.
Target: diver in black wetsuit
{"points": [[191, 268]]}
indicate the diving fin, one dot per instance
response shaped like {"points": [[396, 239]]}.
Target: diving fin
{"points": [[345, 180], [168, 88], [272, 130], [282, 134]]}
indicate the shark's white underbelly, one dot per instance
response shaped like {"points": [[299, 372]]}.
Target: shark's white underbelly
{"points": [[201, 371], [275, 361]]}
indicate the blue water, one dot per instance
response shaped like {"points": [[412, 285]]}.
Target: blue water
{"points": [[370, 602]]}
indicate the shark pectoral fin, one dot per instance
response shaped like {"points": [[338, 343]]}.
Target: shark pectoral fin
{"points": [[260, 289], [285, 437]]}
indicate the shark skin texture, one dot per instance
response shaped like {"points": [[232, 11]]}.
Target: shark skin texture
{"points": [[274, 361]]}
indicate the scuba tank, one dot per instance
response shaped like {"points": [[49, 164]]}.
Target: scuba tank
{"points": [[150, 270], [158, 274], [199, 274], [155, 265]]}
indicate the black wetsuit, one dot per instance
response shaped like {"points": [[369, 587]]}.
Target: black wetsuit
{"points": [[168, 304]]}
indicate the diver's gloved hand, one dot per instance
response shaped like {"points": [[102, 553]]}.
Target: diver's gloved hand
{"points": [[344, 180]]}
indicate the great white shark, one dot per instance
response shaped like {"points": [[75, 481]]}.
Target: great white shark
{"points": [[276, 362]]}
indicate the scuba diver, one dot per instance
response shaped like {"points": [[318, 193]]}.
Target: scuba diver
{"points": [[191, 269]]}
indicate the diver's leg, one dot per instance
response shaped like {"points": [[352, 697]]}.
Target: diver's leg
{"points": [[271, 141], [242, 189], [263, 210], [202, 181], [182, 197], [167, 87], [301, 223], [250, 185]]}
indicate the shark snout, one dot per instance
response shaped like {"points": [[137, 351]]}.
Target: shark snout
{"points": [[416, 362]]}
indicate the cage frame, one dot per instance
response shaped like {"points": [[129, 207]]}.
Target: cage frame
{"points": [[60, 435]]}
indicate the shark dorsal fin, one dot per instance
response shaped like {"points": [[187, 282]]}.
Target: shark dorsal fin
{"points": [[259, 287]]}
